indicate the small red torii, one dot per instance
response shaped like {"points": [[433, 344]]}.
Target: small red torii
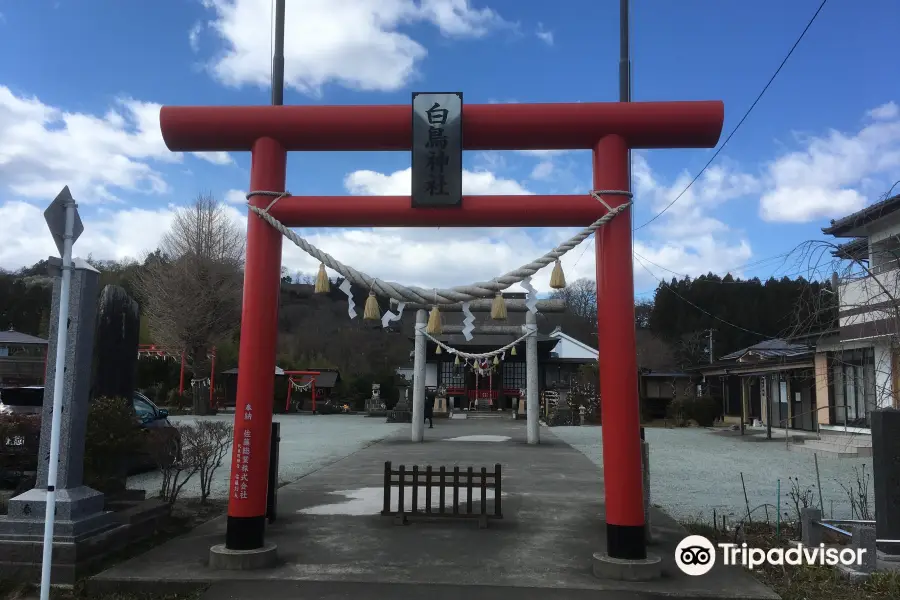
{"points": [[312, 384], [608, 129]]}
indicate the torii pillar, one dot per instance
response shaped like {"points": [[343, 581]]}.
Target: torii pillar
{"points": [[608, 129]]}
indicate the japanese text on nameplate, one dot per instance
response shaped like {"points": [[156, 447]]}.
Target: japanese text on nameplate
{"points": [[438, 159]]}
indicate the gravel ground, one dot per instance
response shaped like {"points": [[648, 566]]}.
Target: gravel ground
{"points": [[307, 444], [693, 471]]}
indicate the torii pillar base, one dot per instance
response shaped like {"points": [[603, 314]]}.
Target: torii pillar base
{"points": [[618, 569], [223, 559]]}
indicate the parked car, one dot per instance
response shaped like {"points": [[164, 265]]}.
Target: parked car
{"points": [[28, 402]]}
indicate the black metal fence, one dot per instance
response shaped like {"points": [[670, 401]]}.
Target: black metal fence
{"points": [[440, 481]]}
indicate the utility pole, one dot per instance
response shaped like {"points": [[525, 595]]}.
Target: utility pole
{"points": [[278, 56], [709, 332]]}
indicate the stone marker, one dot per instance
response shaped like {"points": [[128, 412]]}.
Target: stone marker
{"points": [[886, 476], [79, 509], [116, 343]]}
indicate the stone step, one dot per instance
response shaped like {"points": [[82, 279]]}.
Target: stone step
{"points": [[830, 450], [847, 441]]}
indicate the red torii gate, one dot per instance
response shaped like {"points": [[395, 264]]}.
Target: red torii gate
{"points": [[608, 129]]}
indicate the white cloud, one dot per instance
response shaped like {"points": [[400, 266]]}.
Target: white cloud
{"points": [[45, 148], [834, 174], [216, 158], [108, 234], [355, 44], [194, 36], [542, 170], [399, 183], [544, 35], [235, 197], [687, 238], [885, 112]]}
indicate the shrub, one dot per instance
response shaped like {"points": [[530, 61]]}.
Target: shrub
{"points": [[209, 448], [186, 450], [112, 441], [174, 459], [180, 402], [704, 410], [678, 411]]}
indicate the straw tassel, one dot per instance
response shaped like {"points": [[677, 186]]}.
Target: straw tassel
{"points": [[456, 362], [437, 349], [434, 326], [498, 308], [323, 286], [372, 312], [557, 277], [513, 351], [496, 360]]}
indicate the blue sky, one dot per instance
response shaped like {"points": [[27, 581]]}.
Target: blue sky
{"points": [[80, 85]]}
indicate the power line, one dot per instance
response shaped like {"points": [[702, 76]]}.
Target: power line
{"points": [[704, 311], [744, 118]]}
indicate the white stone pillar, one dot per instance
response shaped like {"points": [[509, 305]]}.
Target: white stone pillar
{"points": [[532, 394], [418, 407]]}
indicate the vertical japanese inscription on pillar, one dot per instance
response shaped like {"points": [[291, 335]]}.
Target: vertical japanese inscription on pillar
{"points": [[437, 149], [241, 471]]}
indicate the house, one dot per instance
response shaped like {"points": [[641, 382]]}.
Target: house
{"points": [[857, 367], [771, 383], [23, 358]]}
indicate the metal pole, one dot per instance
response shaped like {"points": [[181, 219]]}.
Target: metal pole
{"points": [[278, 56], [710, 346], [58, 391], [532, 393], [419, 374]]}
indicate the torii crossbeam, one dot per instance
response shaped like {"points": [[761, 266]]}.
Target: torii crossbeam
{"points": [[610, 130]]}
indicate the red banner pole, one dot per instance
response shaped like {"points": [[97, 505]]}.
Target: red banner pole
{"points": [[212, 379]]}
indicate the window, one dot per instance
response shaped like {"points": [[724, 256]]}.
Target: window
{"points": [[884, 255], [514, 375], [144, 410], [852, 392], [452, 376]]}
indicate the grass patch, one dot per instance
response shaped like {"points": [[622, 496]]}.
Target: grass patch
{"points": [[802, 582]]}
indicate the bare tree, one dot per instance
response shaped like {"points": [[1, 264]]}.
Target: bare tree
{"points": [[190, 287], [581, 299]]}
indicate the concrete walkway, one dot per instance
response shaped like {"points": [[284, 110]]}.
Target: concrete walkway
{"points": [[331, 537]]}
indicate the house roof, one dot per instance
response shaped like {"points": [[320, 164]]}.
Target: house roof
{"points": [[846, 226], [857, 249], [494, 340], [664, 374], [558, 334], [767, 349], [327, 379], [12, 337], [234, 371]]}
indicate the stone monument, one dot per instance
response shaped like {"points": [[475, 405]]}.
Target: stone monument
{"points": [[117, 338], [79, 509], [886, 477]]}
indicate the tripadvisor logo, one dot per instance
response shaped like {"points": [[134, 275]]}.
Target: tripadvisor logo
{"points": [[696, 555]]}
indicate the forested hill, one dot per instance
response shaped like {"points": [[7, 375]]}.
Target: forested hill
{"points": [[315, 330], [741, 312]]}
